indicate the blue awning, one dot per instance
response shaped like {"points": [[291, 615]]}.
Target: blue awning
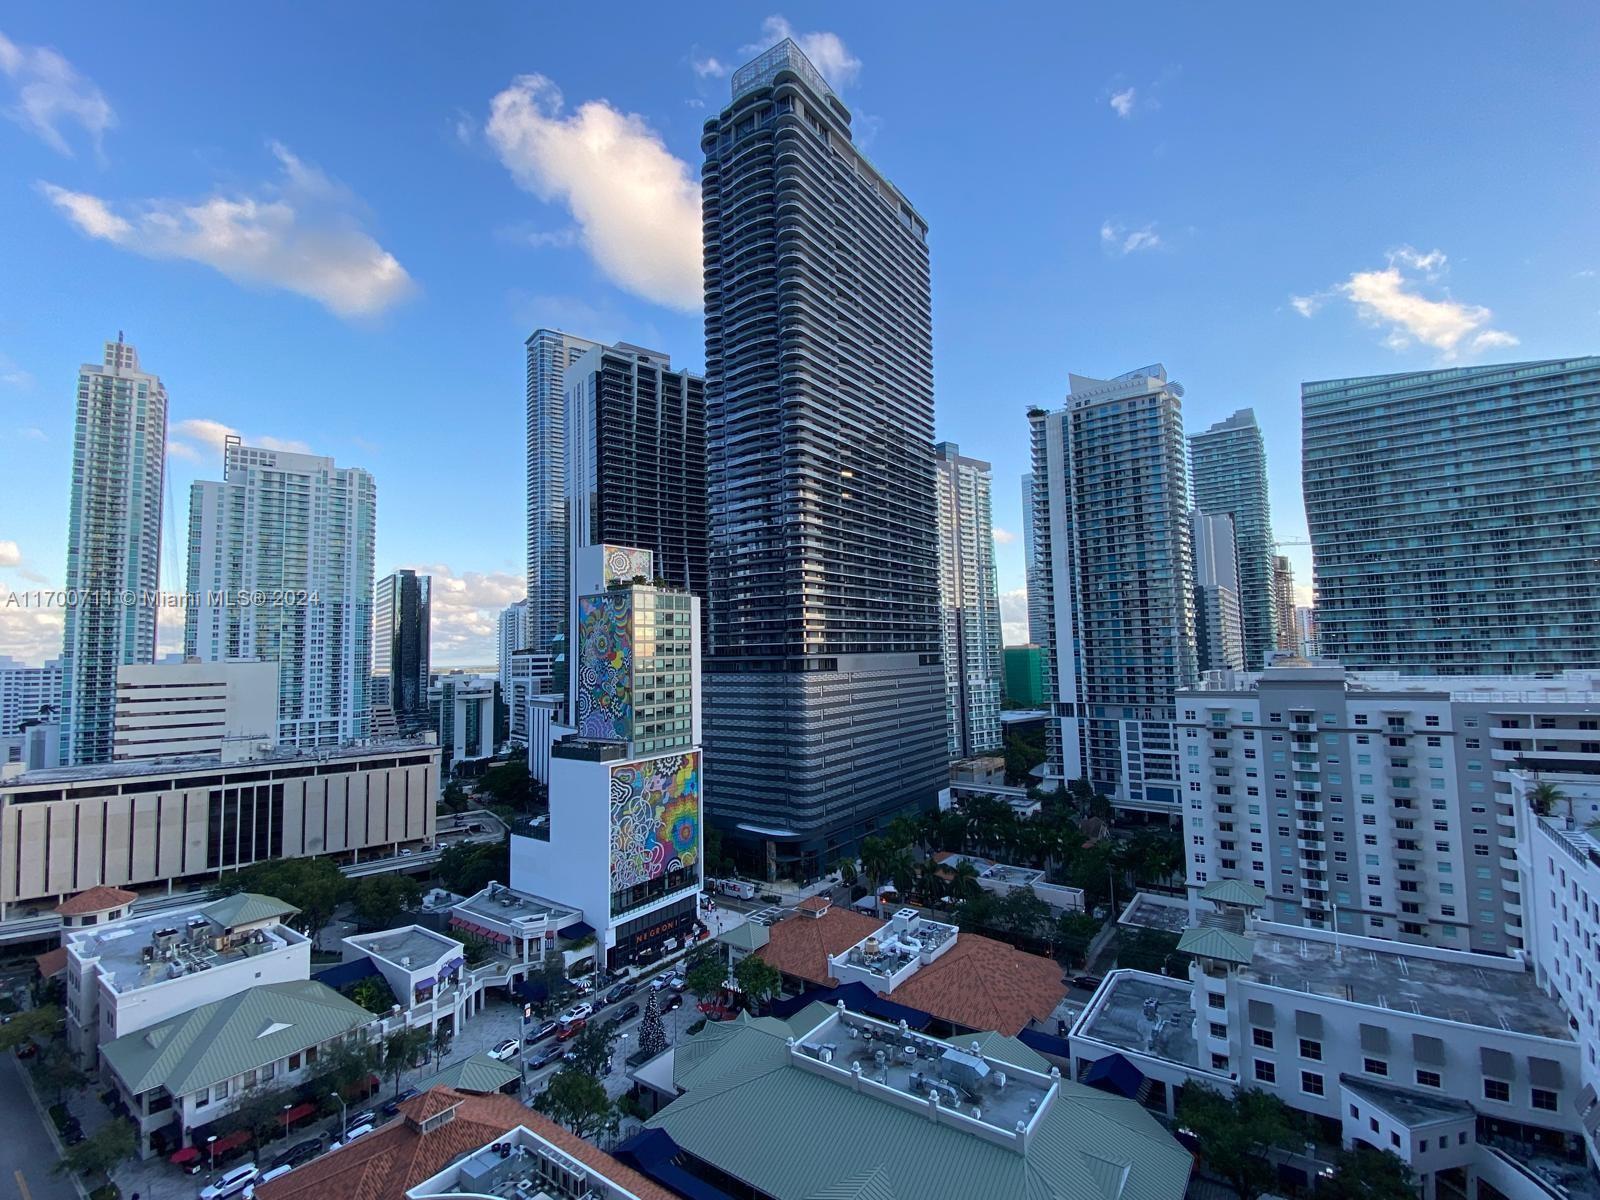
{"points": [[857, 997], [652, 1152], [578, 929], [533, 990], [1117, 1075], [1047, 1044], [426, 983], [347, 974]]}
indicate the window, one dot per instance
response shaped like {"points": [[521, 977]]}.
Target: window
{"points": [[1262, 1038], [1310, 1083], [1496, 1089], [1266, 1072], [1374, 1066], [1219, 1062], [1220, 1032], [1545, 1100], [1428, 1078], [1311, 1049], [1214, 999]]}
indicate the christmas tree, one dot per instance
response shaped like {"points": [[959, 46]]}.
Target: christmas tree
{"points": [[652, 1034]]}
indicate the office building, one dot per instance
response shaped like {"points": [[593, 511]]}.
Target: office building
{"points": [[1218, 622], [969, 603], [34, 747], [1024, 675], [548, 354], [401, 610], [28, 693], [532, 674], [181, 710], [1454, 516], [1111, 526], [625, 778], [1379, 796], [1283, 604], [119, 451], [1037, 619], [280, 569], [636, 459], [461, 709], [141, 823], [511, 635], [823, 673], [1228, 472]]}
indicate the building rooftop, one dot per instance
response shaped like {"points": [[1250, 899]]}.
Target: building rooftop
{"points": [[497, 902], [477, 1073], [1451, 991], [996, 872], [97, 899], [1147, 1014], [407, 947], [278, 756], [247, 908], [1146, 911], [1414, 1108], [1568, 687], [144, 951]]}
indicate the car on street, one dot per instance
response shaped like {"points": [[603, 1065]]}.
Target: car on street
{"points": [[538, 1035], [581, 1011], [231, 1183], [1087, 982], [672, 1003], [677, 982], [351, 1135], [626, 1013], [551, 1053], [571, 1029], [392, 1108], [507, 1049], [298, 1154], [625, 988], [366, 1116]]}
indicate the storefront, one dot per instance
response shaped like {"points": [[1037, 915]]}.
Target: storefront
{"points": [[645, 939]]}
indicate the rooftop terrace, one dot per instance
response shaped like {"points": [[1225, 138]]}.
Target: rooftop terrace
{"points": [[144, 951], [497, 902], [1145, 1014], [412, 946], [521, 1166], [887, 956]]}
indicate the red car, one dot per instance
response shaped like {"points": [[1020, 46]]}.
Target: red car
{"points": [[27, 1049], [570, 1030]]}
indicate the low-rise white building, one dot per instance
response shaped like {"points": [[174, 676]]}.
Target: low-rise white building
{"points": [[178, 710], [425, 970], [1002, 879]]}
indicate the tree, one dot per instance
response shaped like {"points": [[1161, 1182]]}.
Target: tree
{"points": [[440, 1043], [1075, 931], [877, 864], [57, 1070], [347, 1064], [1153, 950], [382, 900], [260, 1111], [577, 1101], [103, 1151], [758, 979], [401, 1049], [509, 784], [591, 1049], [468, 867], [373, 994], [1236, 1135], [27, 1026], [315, 885], [1364, 1173], [1544, 797], [1023, 914], [847, 872], [652, 1034], [706, 975]]}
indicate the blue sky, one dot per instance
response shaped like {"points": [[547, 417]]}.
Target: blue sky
{"points": [[335, 227]]}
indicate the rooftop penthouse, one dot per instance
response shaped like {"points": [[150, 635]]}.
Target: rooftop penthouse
{"points": [[886, 958], [1567, 687], [997, 1101], [520, 1165], [503, 914]]}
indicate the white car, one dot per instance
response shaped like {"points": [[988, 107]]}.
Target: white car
{"points": [[509, 1048], [233, 1183], [581, 1011], [351, 1135]]}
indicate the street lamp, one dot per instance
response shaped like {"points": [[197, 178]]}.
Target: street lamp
{"points": [[211, 1150], [344, 1113], [286, 1109]]}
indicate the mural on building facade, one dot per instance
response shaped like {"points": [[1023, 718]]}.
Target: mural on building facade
{"points": [[655, 818], [605, 666], [623, 564]]}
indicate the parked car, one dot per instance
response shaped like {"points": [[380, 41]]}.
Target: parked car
{"points": [[580, 1011], [231, 1183], [626, 1013], [571, 1029], [677, 982], [771, 898], [542, 1032], [625, 988], [393, 1107], [298, 1154], [672, 1003], [1087, 982], [351, 1135], [366, 1116], [507, 1049]]}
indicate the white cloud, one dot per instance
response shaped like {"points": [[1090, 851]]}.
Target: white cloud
{"points": [[1014, 617], [300, 233], [1003, 537], [188, 438], [637, 206], [10, 554], [1389, 299], [710, 67], [29, 633], [1125, 101], [33, 433], [50, 93], [465, 612], [1306, 306], [1119, 239], [827, 51], [12, 375]]}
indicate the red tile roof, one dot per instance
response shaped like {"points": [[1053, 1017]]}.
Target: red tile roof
{"points": [[799, 946], [814, 904], [96, 899], [52, 962], [387, 1162]]}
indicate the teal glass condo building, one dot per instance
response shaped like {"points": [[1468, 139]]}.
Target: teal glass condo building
{"points": [[1455, 517]]}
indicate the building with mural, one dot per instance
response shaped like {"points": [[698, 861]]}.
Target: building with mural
{"points": [[625, 777]]}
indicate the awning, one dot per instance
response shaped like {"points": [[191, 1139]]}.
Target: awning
{"points": [[652, 1152], [1117, 1075], [1427, 1049], [578, 929], [1261, 1013], [454, 963], [1375, 1038], [1544, 1072], [187, 1155], [299, 1113], [429, 982], [239, 1137], [1498, 1063]]}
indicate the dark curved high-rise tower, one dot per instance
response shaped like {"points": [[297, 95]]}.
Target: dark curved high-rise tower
{"points": [[824, 689]]}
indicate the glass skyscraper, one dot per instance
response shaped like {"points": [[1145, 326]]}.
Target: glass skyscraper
{"points": [[1455, 517], [119, 453], [401, 629], [824, 685], [1228, 466], [1113, 559]]}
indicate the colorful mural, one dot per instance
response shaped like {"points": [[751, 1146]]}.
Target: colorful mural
{"points": [[655, 818], [623, 564], [605, 666]]}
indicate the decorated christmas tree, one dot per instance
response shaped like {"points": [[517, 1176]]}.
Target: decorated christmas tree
{"points": [[652, 1034]]}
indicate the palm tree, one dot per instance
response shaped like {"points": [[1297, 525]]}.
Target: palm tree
{"points": [[1544, 797], [877, 864]]}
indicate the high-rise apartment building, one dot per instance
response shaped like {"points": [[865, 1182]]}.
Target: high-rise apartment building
{"points": [[511, 635], [1037, 618], [119, 453], [1288, 634], [1111, 526], [1455, 516], [28, 693], [1228, 470], [401, 613], [636, 459], [1218, 624], [824, 686], [549, 353], [1384, 797], [969, 603], [280, 569]]}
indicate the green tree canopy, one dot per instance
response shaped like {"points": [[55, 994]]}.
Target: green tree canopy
{"points": [[382, 901], [1074, 932], [103, 1151], [592, 1047], [1364, 1173], [315, 885], [57, 1070], [260, 1111], [468, 867], [758, 979], [706, 974], [577, 1101], [30, 1025], [1236, 1135], [401, 1049]]}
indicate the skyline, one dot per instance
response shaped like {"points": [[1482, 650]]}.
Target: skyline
{"points": [[414, 271]]}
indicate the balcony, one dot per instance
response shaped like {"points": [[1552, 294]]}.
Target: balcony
{"points": [[1311, 843], [1507, 843]]}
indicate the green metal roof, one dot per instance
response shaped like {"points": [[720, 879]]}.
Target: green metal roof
{"points": [[231, 1036], [795, 1135], [480, 1074], [246, 908], [1206, 941], [809, 1017], [748, 937], [1233, 891]]}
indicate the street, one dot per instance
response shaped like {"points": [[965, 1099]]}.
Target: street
{"points": [[28, 1153]]}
